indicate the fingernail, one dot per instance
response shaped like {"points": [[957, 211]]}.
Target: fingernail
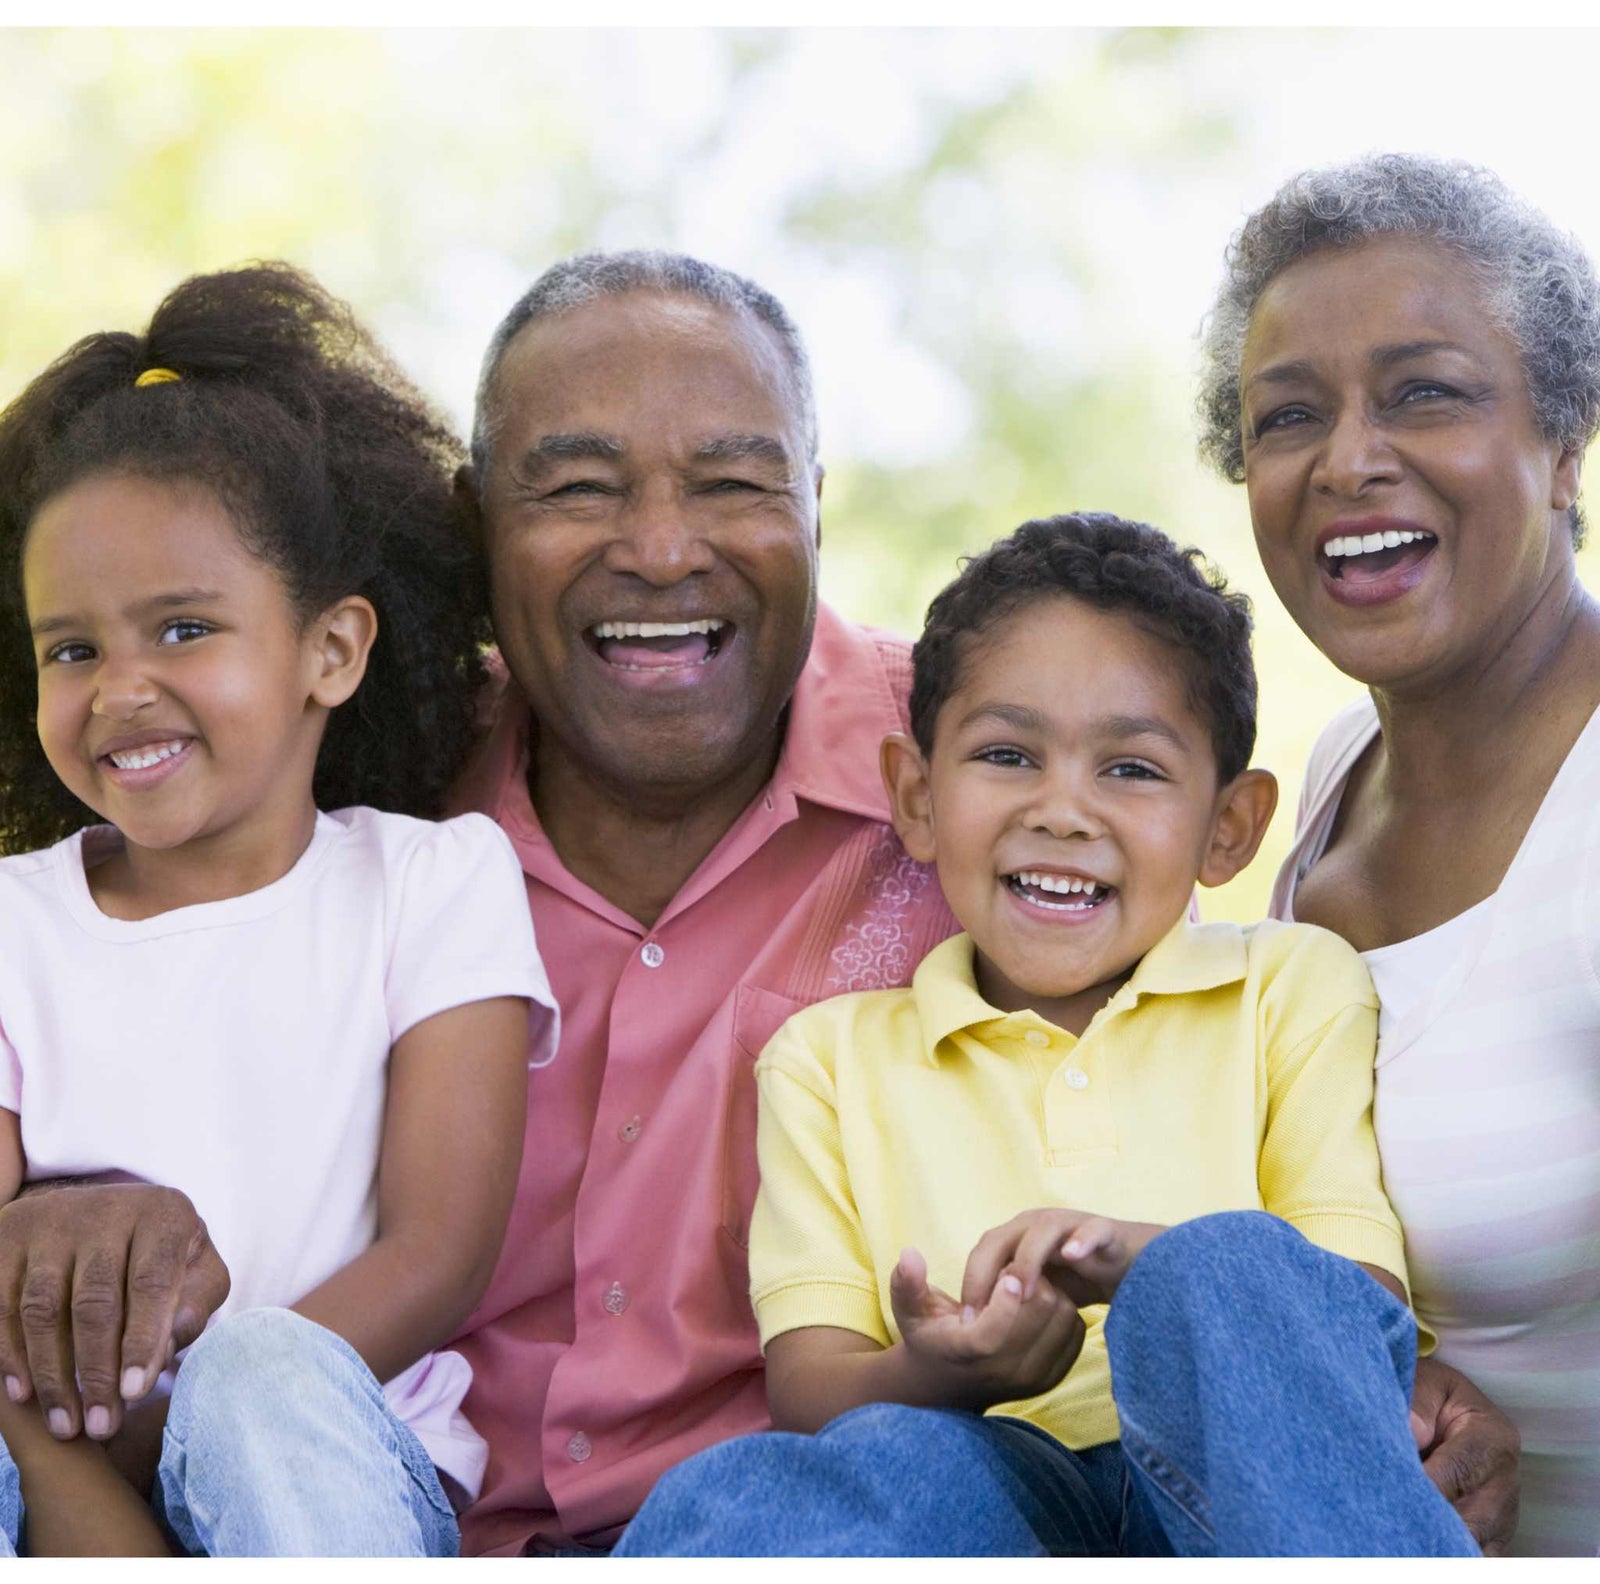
{"points": [[1011, 1284], [132, 1383], [60, 1422], [968, 1314], [14, 1388], [98, 1422], [1072, 1248]]}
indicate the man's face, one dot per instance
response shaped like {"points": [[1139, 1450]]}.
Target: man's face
{"points": [[650, 521]]}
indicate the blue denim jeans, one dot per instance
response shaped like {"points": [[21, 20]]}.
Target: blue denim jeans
{"points": [[279, 1443], [1263, 1387]]}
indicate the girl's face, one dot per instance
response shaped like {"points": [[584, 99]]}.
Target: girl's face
{"points": [[1386, 413], [178, 692]]}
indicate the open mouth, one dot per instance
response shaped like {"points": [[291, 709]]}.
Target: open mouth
{"points": [[1365, 558], [1059, 893], [659, 646], [146, 757]]}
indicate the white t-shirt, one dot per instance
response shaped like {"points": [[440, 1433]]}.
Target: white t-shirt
{"points": [[238, 1050]]}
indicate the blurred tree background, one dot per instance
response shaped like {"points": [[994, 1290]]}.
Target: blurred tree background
{"points": [[1000, 244]]}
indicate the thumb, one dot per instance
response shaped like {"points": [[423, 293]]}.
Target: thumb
{"points": [[1421, 1431], [909, 1293]]}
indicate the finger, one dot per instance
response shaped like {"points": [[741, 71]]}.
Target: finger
{"points": [[996, 1321], [157, 1265], [1421, 1431], [205, 1287], [97, 1337], [46, 1307], [1093, 1239], [991, 1254], [1036, 1245], [13, 1348], [1451, 1474]]}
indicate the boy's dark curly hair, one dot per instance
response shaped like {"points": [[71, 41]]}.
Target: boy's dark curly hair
{"points": [[1112, 565], [338, 475]]}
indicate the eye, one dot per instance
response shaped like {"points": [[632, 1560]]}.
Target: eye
{"points": [[1134, 770], [1425, 390], [731, 486], [1005, 758], [72, 652], [183, 629], [577, 489], [1290, 417]]}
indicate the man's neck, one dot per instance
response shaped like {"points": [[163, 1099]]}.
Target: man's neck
{"points": [[637, 846]]}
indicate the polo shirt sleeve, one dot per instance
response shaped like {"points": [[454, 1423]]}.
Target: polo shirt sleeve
{"points": [[1318, 1160], [809, 1260], [462, 931]]}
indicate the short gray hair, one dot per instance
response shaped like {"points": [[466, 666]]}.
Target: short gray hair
{"points": [[585, 277], [1540, 282]]}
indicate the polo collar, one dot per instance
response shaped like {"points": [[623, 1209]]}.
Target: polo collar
{"points": [[1189, 959]]}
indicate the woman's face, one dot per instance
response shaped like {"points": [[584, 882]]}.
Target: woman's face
{"points": [[1407, 509]]}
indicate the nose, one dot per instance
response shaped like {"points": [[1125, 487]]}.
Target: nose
{"points": [[1064, 806], [1355, 454], [659, 539], [121, 690]]}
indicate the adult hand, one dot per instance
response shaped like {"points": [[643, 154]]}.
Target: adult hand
{"points": [[1470, 1450], [1085, 1256], [1011, 1349], [99, 1285]]}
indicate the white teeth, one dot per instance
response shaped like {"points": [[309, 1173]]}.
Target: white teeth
{"points": [[143, 758], [1061, 885], [1365, 544], [610, 629]]}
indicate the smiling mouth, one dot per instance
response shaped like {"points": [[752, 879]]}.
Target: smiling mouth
{"points": [[1059, 893], [1361, 558], [659, 646], [143, 758]]}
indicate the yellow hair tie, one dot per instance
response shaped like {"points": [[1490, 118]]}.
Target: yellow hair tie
{"points": [[156, 376]]}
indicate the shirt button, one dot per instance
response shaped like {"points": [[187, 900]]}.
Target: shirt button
{"points": [[652, 955], [578, 1448], [1076, 1078], [1037, 1037], [630, 1130], [616, 1298]]}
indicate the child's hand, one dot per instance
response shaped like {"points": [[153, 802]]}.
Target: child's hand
{"points": [[1084, 1256], [1011, 1348]]}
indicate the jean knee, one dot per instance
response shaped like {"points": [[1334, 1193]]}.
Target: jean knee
{"points": [[254, 1354]]}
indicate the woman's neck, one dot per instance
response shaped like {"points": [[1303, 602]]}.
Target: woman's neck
{"points": [[1455, 738]]}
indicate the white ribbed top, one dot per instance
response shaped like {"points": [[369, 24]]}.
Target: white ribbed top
{"points": [[1488, 1119]]}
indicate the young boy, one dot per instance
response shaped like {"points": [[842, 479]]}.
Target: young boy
{"points": [[959, 1177]]}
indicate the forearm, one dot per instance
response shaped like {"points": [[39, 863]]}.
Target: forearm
{"points": [[805, 1393], [399, 1299], [77, 1503]]}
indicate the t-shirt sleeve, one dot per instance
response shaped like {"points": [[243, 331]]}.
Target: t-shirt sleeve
{"points": [[809, 1260], [1318, 1165], [462, 932], [10, 1075]]}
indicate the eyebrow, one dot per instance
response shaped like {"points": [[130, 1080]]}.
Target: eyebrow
{"points": [[584, 445], [1018, 715], [1293, 372], [175, 599], [1140, 726], [744, 448]]}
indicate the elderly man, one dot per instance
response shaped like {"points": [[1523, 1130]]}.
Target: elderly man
{"points": [[683, 748]]}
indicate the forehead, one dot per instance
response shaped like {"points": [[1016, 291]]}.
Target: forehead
{"points": [[1391, 289], [647, 367], [1073, 663]]}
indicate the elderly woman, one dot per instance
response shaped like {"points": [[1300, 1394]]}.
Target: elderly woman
{"points": [[1403, 368]]}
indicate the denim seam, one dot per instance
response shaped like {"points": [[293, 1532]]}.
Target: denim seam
{"points": [[1175, 1483]]}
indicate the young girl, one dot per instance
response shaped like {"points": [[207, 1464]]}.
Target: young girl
{"points": [[235, 601]]}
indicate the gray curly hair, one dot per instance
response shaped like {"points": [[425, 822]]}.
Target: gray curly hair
{"points": [[1540, 283], [585, 277]]}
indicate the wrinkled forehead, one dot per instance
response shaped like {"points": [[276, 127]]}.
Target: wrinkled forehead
{"points": [[650, 369]]}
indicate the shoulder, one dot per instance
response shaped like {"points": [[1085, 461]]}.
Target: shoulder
{"points": [[397, 840], [1349, 731], [1304, 976], [859, 657], [820, 1042]]}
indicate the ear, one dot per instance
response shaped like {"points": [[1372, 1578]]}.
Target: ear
{"points": [[905, 779], [469, 506], [1567, 479], [1244, 810], [337, 645]]}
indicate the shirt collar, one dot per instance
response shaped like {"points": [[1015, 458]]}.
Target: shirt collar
{"points": [[1188, 959]]}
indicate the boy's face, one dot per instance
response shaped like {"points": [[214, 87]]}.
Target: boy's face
{"points": [[1070, 804]]}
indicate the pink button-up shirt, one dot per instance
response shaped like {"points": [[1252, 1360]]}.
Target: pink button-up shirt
{"points": [[617, 1338]]}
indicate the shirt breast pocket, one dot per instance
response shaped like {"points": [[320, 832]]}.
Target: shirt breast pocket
{"points": [[757, 1016]]}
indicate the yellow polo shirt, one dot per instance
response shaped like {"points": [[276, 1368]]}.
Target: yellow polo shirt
{"points": [[1232, 1072]]}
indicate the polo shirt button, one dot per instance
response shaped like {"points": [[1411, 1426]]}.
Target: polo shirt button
{"points": [[616, 1298], [652, 955], [630, 1130], [1037, 1037], [578, 1448], [1076, 1078]]}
